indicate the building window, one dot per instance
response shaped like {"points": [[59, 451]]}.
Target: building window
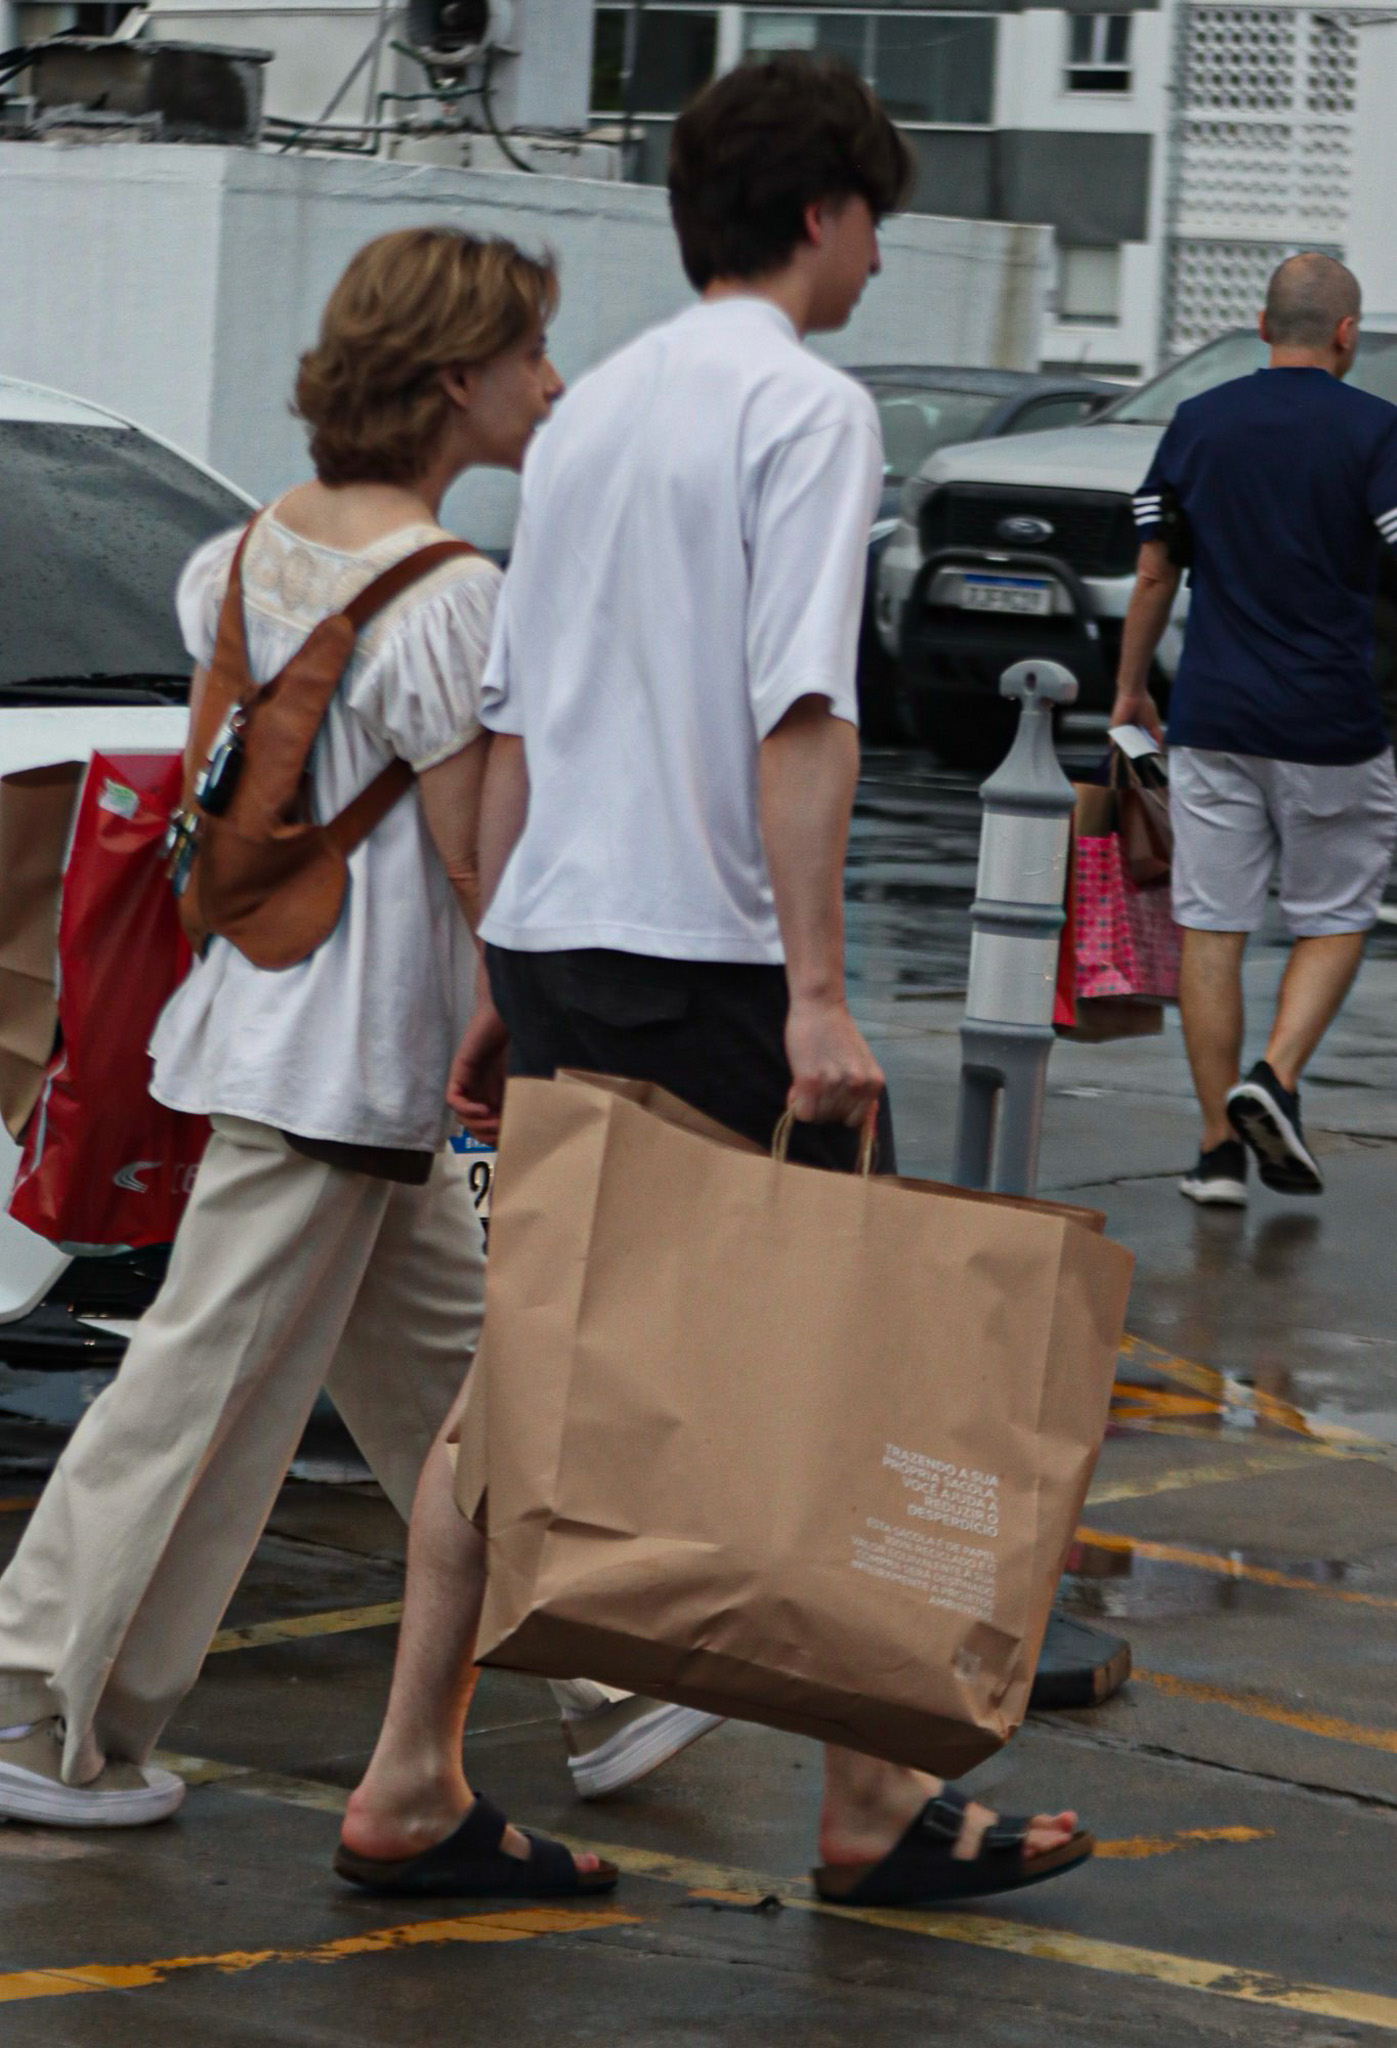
{"points": [[1089, 287], [676, 55], [933, 69], [1098, 53]]}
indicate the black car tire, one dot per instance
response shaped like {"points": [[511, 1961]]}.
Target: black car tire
{"points": [[974, 733]]}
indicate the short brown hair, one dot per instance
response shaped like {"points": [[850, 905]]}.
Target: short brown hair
{"points": [[767, 140], [410, 305]]}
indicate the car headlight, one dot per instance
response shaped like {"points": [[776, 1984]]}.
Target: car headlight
{"points": [[915, 493]]}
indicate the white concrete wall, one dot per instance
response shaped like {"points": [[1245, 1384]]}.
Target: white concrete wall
{"points": [[179, 284], [1031, 92]]}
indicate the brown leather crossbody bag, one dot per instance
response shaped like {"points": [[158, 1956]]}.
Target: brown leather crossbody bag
{"points": [[248, 861]]}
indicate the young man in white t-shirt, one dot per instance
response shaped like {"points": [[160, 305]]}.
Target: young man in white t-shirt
{"points": [[670, 792]]}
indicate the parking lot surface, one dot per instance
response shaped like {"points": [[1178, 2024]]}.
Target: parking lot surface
{"points": [[1241, 1532]]}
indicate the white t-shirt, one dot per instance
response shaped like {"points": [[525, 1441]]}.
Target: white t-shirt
{"points": [[689, 560], [355, 1042]]}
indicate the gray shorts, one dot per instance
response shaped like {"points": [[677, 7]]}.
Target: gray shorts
{"points": [[1239, 820]]}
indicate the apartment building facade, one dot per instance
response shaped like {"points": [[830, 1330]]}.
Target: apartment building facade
{"points": [[1178, 148]]}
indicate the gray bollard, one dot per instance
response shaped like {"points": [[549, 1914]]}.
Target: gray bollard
{"points": [[1006, 1041], [1017, 916]]}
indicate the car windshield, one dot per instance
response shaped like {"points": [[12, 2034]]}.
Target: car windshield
{"points": [[1235, 355], [916, 421], [96, 523]]}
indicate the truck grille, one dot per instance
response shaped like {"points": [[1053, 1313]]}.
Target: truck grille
{"points": [[1093, 531]]}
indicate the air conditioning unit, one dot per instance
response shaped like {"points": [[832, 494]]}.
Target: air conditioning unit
{"points": [[452, 34]]}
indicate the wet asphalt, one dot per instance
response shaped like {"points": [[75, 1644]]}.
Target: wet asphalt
{"points": [[1241, 1532]]}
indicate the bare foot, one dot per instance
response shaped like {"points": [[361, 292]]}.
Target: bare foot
{"points": [[409, 1829], [868, 1806]]}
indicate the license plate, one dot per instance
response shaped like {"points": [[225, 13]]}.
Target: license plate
{"points": [[480, 1173], [1022, 594]]}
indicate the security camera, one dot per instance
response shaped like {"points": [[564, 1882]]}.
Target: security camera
{"points": [[458, 31]]}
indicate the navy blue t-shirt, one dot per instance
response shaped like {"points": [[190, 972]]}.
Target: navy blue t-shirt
{"points": [[1288, 479]]}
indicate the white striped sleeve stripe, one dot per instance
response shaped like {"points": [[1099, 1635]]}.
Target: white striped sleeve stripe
{"points": [[1387, 521]]}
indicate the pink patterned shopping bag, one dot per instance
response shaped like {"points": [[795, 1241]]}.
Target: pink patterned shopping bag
{"points": [[1127, 943]]}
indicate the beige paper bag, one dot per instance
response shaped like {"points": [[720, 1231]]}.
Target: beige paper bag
{"points": [[776, 1443], [36, 818]]}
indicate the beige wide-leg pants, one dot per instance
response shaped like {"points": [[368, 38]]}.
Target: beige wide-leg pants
{"points": [[287, 1274]]}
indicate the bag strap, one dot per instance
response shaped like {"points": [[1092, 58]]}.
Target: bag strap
{"points": [[226, 674], [374, 596], [367, 810]]}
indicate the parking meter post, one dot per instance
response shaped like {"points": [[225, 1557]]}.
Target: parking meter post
{"points": [[1006, 1041], [1017, 915]]}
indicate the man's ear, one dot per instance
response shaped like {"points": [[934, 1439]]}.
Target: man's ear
{"points": [[1263, 327], [458, 381], [815, 220], [1346, 334]]}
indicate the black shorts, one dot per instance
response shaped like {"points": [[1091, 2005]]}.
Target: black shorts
{"points": [[711, 1032]]}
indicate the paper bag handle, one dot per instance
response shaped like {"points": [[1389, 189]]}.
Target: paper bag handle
{"points": [[868, 1139]]}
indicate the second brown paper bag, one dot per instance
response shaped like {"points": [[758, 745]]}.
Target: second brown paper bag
{"points": [[780, 1444]]}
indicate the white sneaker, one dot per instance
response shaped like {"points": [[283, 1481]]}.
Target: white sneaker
{"points": [[120, 1796], [625, 1740]]}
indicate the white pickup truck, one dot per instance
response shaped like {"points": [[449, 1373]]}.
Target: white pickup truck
{"points": [[1011, 549], [96, 519]]}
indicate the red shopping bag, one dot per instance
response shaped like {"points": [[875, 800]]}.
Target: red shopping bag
{"points": [[104, 1164], [1126, 942]]}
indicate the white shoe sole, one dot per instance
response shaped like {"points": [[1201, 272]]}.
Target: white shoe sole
{"points": [[26, 1795], [1287, 1165], [638, 1750], [1215, 1194]]}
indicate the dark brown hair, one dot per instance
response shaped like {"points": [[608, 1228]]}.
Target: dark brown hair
{"points": [[761, 144], [410, 305]]}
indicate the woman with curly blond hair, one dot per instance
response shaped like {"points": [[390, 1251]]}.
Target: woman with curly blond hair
{"points": [[331, 1235]]}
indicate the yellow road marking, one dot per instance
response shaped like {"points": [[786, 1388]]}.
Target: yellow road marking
{"points": [[18, 1503], [1245, 1465], [527, 1925], [1131, 1848], [1224, 1980], [1013, 1937], [1328, 1725], [1226, 1392], [333, 1622], [1229, 1568]]}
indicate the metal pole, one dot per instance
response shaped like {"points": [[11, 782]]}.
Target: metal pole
{"points": [[1007, 1035]]}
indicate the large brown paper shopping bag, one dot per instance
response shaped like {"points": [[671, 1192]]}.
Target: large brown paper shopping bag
{"points": [[36, 819], [776, 1443]]}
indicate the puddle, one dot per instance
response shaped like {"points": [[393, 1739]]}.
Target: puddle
{"points": [[1114, 1579]]}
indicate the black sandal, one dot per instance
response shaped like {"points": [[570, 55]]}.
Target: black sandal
{"points": [[920, 1869], [470, 1864]]}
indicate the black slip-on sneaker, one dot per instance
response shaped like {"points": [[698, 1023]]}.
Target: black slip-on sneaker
{"points": [[1267, 1117], [1219, 1180]]}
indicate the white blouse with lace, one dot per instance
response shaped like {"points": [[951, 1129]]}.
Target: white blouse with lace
{"points": [[353, 1043]]}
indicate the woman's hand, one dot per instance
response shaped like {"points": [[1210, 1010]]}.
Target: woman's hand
{"points": [[475, 1087]]}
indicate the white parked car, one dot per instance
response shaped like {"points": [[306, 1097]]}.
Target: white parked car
{"points": [[1010, 549], [96, 519]]}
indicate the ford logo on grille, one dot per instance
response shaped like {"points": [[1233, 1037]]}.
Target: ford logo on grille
{"points": [[1025, 529]]}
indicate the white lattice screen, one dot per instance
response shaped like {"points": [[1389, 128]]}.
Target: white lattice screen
{"points": [[1263, 155]]}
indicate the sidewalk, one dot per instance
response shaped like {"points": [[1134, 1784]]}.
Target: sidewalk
{"points": [[1242, 1531]]}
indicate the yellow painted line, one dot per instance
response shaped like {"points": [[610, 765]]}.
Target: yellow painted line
{"points": [[1330, 1726], [527, 1925], [333, 1622], [18, 1503], [1228, 1393], [1245, 1465], [1132, 1848], [1230, 1568], [1013, 1937], [973, 1930]]}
